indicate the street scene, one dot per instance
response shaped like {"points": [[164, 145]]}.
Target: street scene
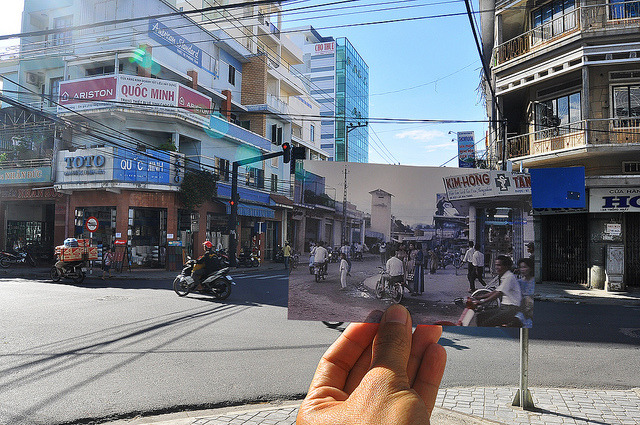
{"points": [[265, 211], [401, 234]]}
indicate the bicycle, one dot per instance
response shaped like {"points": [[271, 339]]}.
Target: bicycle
{"points": [[294, 262]]}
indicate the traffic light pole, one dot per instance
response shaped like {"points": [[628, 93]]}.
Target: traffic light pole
{"points": [[233, 218]]}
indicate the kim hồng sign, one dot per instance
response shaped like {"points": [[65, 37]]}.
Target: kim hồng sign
{"points": [[487, 183]]}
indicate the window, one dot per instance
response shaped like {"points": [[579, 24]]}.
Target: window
{"points": [[232, 75], [62, 37], [623, 9], [274, 182], [553, 19], [312, 135], [561, 113], [626, 105], [103, 70], [631, 167], [222, 169], [255, 177], [276, 134], [54, 91]]}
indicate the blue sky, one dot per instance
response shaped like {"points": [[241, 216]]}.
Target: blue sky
{"points": [[404, 58]]}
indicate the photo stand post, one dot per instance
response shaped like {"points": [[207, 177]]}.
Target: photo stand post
{"points": [[523, 395]]}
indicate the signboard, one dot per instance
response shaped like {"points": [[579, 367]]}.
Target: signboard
{"points": [[324, 48], [466, 149], [175, 42], [91, 224], [29, 193], [614, 229], [561, 187], [486, 184], [98, 165], [118, 242], [174, 243], [25, 175], [90, 93], [614, 199]]}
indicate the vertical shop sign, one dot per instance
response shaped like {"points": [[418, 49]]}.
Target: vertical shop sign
{"points": [[466, 149]]}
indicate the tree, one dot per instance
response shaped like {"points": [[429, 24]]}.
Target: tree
{"points": [[197, 187]]}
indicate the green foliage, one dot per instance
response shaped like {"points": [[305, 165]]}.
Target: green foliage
{"points": [[197, 187], [4, 157], [168, 146]]}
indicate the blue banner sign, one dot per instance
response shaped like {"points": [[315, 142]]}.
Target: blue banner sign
{"points": [[175, 42], [141, 167], [25, 175]]}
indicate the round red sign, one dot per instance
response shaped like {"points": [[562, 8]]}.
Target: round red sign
{"points": [[91, 224]]}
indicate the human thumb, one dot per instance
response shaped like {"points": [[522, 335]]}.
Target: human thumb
{"points": [[392, 343]]}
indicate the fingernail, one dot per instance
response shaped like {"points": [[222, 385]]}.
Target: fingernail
{"points": [[396, 314]]}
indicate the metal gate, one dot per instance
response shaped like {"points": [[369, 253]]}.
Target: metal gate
{"points": [[565, 248], [632, 249]]}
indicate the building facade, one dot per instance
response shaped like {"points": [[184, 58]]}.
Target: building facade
{"points": [[338, 78], [130, 109], [566, 76]]}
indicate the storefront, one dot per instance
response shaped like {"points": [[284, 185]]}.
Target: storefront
{"points": [[498, 204]]}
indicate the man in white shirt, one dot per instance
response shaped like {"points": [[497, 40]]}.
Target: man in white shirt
{"points": [[478, 263], [471, 269], [395, 269], [510, 292], [346, 250], [321, 255]]}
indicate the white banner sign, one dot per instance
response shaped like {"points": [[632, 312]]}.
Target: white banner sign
{"points": [[486, 184], [614, 199]]}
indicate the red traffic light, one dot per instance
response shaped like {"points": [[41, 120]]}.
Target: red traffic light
{"points": [[286, 152]]}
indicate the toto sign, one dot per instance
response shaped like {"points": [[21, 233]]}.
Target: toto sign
{"points": [[84, 164]]}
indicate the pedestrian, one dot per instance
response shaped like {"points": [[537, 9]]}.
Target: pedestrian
{"points": [[471, 269], [383, 252], [433, 258], [418, 274], [287, 255], [106, 263], [344, 268], [346, 250], [527, 284], [531, 248], [478, 264]]}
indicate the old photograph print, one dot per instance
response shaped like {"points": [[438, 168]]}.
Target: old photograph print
{"points": [[369, 235]]}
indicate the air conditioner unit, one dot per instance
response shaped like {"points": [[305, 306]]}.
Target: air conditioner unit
{"points": [[34, 78]]}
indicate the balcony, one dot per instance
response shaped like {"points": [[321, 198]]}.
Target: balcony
{"points": [[584, 18], [578, 134]]}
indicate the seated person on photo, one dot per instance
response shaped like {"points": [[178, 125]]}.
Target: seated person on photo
{"points": [[395, 269], [508, 290]]}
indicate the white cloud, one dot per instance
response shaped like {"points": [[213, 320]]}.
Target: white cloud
{"points": [[421, 135]]}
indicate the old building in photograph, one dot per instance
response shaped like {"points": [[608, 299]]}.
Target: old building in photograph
{"points": [[566, 79]]}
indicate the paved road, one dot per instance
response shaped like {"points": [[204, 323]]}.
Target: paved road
{"points": [[104, 349]]}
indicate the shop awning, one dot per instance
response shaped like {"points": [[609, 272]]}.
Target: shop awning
{"points": [[252, 210]]}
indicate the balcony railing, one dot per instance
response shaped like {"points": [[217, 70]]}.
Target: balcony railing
{"points": [[599, 131], [587, 17], [277, 104]]}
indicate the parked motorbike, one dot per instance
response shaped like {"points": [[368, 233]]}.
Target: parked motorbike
{"points": [[20, 257], [217, 284], [279, 257], [74, 270], [248, 259]]}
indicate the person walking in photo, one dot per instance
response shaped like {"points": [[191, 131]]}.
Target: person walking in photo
{"points": [[106, 263], [418, 273], [433, 259], [383, 252], [527, 284], [287, 255], [478, 263], [346, 250], [344, 268], [471, 269]]}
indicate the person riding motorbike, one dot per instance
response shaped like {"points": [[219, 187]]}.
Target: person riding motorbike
{"points": [[510, 293], [207, 263], [321, 256]]}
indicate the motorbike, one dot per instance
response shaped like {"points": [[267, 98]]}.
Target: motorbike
{"points": [[334, 256], [217, 284], [19, 257], [279, 257], [383, 286], [357, 256], [74, 270], [320, 271], [248, 259]]}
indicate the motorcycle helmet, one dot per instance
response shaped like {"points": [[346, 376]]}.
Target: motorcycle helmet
{"points": [[208, 244]]}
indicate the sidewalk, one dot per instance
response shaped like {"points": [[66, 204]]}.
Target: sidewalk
{"points": [[456, 406]]}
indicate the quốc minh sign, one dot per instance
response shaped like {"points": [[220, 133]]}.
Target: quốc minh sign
{"points": [[97, 92]]}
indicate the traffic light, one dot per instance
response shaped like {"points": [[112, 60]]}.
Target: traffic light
{"points": [[286, 153], [298, 152]]}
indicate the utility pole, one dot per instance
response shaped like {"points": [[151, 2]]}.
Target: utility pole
{"points": [[349, 128]]}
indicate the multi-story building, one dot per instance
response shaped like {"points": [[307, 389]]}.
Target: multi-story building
{"points": [[338, 78], [143, 100], [566, 75]]}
